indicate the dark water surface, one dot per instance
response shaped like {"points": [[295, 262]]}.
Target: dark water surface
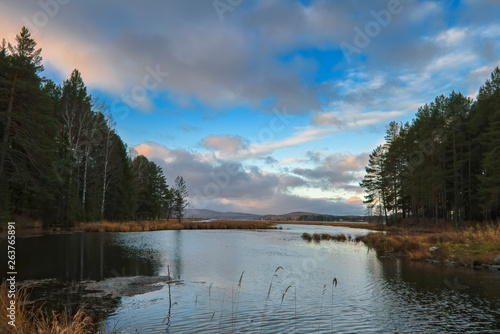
{"points": [[372, 295]]}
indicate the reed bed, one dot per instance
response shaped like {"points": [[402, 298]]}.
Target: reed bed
{"points": [[269, 319], [367, 226], [29, 320], [469, 246], [163, 224], [327, 237]]}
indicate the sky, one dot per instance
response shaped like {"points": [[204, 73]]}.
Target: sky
{"points": [[263, 106]]}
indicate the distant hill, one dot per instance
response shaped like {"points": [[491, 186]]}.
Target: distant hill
{"points": [[292, 216], [287, 216], [309, 216], [210, 214]]}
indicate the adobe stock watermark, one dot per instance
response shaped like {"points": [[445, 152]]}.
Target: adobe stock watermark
{"points": [[48, 10], [222, 179], [363, 37], [223, 6], [455, 285], [278, 123], [154, 77]]}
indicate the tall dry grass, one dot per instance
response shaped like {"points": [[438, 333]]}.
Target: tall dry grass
{"points": [[474, 245], [37, 321], [163, 224]]}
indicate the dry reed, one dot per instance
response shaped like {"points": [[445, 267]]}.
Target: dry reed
{"points": [[470, 246], [37, 320], [163, 224]]}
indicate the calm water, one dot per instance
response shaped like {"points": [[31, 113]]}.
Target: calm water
{"points": [[372, 295]]}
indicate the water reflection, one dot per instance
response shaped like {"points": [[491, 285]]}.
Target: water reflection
{"points": [[373, 295], [80, 256]]}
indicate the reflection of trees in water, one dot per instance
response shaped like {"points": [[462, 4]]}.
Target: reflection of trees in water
{"points": [[81, 256], [69, 258], [178, 254], [456, 296]]}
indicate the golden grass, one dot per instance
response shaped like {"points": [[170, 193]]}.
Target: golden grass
{"points": [[470, 246], [367, 226], [37, 321], [163, 224]]}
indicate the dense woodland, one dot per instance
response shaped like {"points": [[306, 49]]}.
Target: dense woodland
{"points": [[444, 165], [61, 160]]}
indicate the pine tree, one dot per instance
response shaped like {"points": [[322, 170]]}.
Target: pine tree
{"points": [[28, 128], [375, 182], [180, 198]]}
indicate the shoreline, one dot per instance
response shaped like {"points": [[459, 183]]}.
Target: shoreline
{"points": [[474, 246], [186, 224]]}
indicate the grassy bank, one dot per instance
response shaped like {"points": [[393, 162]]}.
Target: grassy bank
{"points": [[162, 224], [367, 226], [470, 246], [30, 320]]}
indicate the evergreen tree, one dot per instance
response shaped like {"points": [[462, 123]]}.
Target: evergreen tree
{"points": [[28, 128], [445, 164], [180, 198], [375, 182]]}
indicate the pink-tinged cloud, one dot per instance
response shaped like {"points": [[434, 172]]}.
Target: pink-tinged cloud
{"points": [[144, 149], [354, 199], [231, 186], [226, 145]]}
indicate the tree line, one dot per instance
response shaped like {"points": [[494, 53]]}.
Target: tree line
{"points": [[444, 164], [330, 218], [61, 159]]}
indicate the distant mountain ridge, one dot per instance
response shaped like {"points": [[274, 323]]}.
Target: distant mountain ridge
{"points": [[292, 216], [288, 216], [210, 214]]}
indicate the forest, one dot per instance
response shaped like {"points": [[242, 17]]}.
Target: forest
{"points": [[443, 165], [61, 160]]}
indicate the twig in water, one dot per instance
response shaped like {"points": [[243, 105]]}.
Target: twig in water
{"points": [[321, 307], [334, 285], [235, 319], [210, 325], [282, 299], [241, 277], [221, 311], [267, 299], [295, 320], [210, 305]]}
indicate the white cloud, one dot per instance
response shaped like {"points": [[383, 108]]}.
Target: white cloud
{"points": [[231, 186], [451, 37], [226, 145]]}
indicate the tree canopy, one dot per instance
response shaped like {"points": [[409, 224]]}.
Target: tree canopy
{"points": [[445, 164], [61, 159]]}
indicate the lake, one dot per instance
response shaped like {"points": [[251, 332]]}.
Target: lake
{"points": [[287, 284]]}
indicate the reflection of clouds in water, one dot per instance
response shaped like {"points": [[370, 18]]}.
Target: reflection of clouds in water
{"points": [[387, 295]]}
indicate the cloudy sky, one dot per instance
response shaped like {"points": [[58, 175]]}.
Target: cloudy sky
{"points": [[264, 106]]}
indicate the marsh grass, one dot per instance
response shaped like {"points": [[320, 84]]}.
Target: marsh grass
{"points": [[267, 298], [321, 307], [224, 318], [281, 304], [327, 237], [163, 224], [33, 320], [469, 246], [334, 285], [307, 236], [236, 301]]}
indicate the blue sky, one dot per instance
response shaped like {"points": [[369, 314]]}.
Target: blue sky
{"points": [[263, 106]]}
